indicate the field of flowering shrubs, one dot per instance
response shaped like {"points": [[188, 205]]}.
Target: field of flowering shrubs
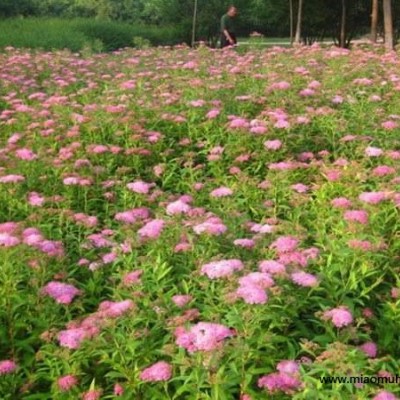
{"points": [[179, 224]]}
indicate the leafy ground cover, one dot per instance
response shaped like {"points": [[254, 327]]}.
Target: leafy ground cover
{"points": [[181, 224]]}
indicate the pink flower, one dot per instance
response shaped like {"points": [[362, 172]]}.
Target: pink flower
{"points": [[273, 144], [72, 338], [258, 130], [197, 103], [289, 367], [35, 199], [212, 227], [279, 382], [132, 216], [272, 267], [220, 269], [282, 124], [341, 202], [384, 395], [109, 258], [252, 294], [178, 207], [213, 114], [71, 180], [294, 258], [61, 292], [373, 151], [372, 197], [363, 81], [359, 216], [245, 243], [340, 316], [7, 367], [307, 92], [370, 349], [132, 278], [299, 188], [8, 240], [238, 123], [152, 229], [140, 187], [160, 371], [113, 309], [262, 228], [66, 382], [203, 336], [383, 170], [118, 390], [11, 179], [333, 175], [389, 125], [360, 244], [337, 99], [92, 395], [284, 244], [304, 279], [262, 279], [221, 192], [282, 85], [25, 154], [181, 300]]}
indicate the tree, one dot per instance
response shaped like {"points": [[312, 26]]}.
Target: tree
{"points": [[374, 20], [342, 41], [291, 20], [388, 22], [299, 19]]}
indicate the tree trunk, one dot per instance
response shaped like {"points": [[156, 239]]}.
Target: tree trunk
{"points": [[297, 38], [291, 21], [388, 21], [194, 23], [374, 20], [342, 42]]}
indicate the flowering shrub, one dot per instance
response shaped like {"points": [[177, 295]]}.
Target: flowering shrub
{"points": [[180, 224]]}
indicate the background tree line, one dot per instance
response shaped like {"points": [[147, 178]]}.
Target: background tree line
{"points": [[303, 20]]}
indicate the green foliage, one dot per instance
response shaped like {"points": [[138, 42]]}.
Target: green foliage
{"points": [[271, 17], [78, 34]]}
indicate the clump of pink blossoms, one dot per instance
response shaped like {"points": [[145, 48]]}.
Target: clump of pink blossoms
{"points": [[160, 371], [222, 268], [252, 287], [61, 292], [66, 382], [340, 316], [286, 380], [7, 367], [152, 229], [203, 336]]}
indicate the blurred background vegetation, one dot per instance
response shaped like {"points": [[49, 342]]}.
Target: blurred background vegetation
{"points": [[112, 24]]}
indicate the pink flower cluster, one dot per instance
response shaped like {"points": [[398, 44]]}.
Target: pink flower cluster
{"points": [[203, 336], [212, 226], [252, 287], [160, 371], [61, 292], [286, 380], [222, 268], [340, 316], [77, 332], [152, 229], [7, 367]]}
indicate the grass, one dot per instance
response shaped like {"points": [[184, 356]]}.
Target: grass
{"points": [[80, 33]]}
